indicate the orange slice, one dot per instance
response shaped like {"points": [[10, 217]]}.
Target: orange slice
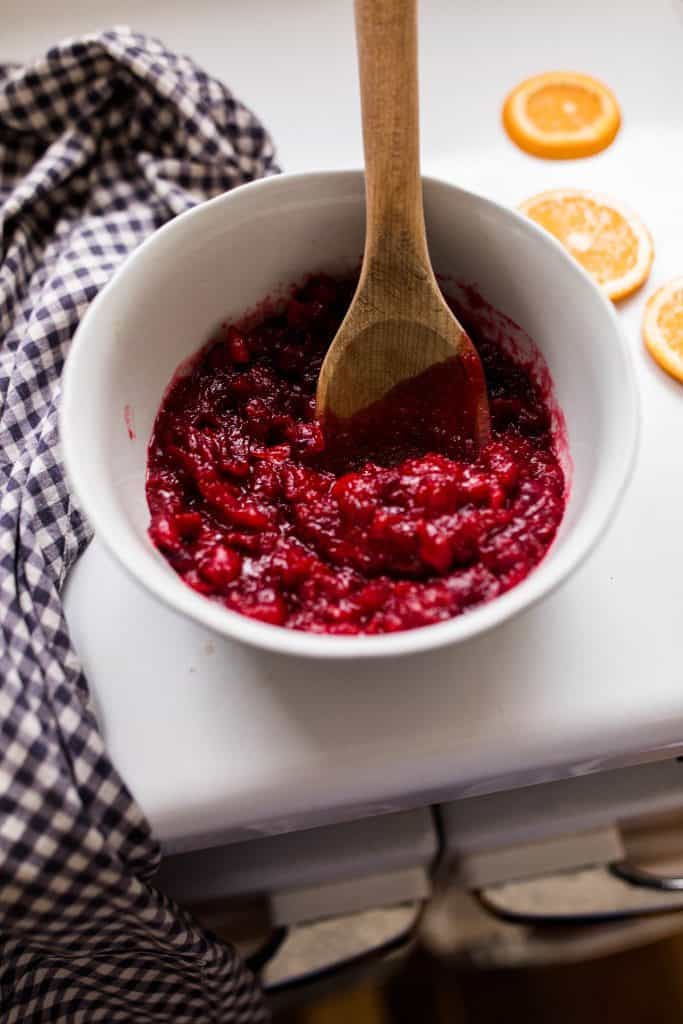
{"points": [[609, 241], [663, 327], [561, 115]]}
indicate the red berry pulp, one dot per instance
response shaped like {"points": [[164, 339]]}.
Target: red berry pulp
{"points": [[248, 513]]}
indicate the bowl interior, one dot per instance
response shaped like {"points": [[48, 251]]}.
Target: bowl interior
{"points": [[224, 257]]}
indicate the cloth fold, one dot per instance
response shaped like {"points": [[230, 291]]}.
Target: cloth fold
{"points": [[102, 140]]}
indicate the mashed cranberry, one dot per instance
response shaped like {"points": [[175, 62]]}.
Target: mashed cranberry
{"points": [[245, 510]]}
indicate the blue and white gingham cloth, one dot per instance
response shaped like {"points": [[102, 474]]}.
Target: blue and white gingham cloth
{"points": [[102, 140]]}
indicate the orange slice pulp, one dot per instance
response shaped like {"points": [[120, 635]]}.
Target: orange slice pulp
{"points": [[561, 115], [663, 327], [606, 238]]}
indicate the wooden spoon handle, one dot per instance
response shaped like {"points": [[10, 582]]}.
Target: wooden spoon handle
{"points": [[386, 32]]}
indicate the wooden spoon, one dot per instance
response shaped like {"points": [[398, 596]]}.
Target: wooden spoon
{"points": [[399, 339]]}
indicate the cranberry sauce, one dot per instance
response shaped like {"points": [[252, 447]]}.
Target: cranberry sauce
{"points": [[248, 513]]}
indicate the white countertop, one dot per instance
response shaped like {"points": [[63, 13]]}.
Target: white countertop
{"points": [[219, 742]]}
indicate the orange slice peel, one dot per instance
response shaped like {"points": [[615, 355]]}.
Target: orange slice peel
{"points": [[663, 327], [610, 241], [561, 115]]}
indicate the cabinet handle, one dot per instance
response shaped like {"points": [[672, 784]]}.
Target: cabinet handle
{"points": [[649, 879]]}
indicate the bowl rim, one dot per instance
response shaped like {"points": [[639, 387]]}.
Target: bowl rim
{"points": [[543, 579]]}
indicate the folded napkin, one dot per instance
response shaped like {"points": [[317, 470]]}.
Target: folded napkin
{"points": [[101, 141]]}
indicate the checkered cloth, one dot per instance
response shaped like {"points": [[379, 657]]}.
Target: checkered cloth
{"points": [[101, 141]]}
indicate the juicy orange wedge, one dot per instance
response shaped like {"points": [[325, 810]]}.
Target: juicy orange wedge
{"points": [[561, 115], [609, 241], [663, 327]]}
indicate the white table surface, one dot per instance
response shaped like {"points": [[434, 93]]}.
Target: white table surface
{"points": [[219, 742]]}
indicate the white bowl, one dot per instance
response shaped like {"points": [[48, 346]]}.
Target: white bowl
{"points": [[221, 258]]}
